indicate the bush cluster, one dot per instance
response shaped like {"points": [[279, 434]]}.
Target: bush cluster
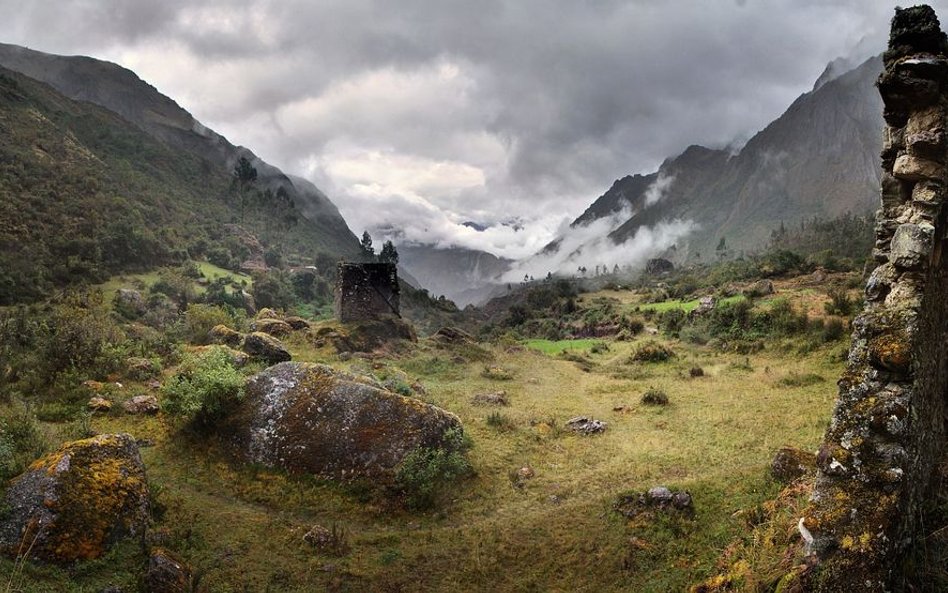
{"points": [[205, 388], [426, 471]]}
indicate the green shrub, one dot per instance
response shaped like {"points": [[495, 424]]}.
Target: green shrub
{"points": [[800, 380], [199, 319], [204, 389], [655, 397], [500, 421], [839, 303], [652, 351], [832, 330], [21, 441], [425, 472]]}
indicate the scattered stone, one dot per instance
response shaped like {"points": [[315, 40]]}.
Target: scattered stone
{"points": [[275, 327], [759, 289], [818, 276], [154, 384], [790, 464], [266, 348], [494, 398], [696, 372], [99, 405], [166, 574], [75, 503], [706, 304], [585, 425], [327, 540], [221, 334], [658, 498], [297, 323], [141, 404], [311, 418], [94, 386]]}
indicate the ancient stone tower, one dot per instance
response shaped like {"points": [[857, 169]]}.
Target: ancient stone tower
{"points": [[879, 457], [366, 291]]}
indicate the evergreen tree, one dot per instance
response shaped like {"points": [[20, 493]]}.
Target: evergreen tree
{"points": [[368, 252], [388, 254]]}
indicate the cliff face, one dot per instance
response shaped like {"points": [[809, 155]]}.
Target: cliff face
{"points": [[818, 159], [121, 91]]}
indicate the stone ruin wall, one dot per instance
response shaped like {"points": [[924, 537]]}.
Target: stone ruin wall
{"points": [[366, 291], [879, 459]]}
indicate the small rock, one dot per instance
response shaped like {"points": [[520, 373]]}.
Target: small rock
{"points": [[154, 384], [166, 574], [141, 404], [274, 327], [94, 386], [585, 426], [495, 398], [99, 405], [297, 323], [658, 498]]}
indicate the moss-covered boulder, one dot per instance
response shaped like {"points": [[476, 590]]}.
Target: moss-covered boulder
{"points": [[311, 418], [74, 503], [221, 334], [263, 347], [274, 327]]}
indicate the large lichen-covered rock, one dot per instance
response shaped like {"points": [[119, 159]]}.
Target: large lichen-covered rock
{"points": [[74, 503], [274, 327], [311, 418], [266, 348]]}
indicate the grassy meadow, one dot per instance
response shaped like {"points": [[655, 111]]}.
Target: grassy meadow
{"points": [[242, 528]]}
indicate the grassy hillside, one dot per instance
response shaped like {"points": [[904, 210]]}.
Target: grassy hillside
{"points": [[87, 195]]}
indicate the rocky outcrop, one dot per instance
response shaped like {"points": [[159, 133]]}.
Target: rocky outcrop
{"points": [[878, 459], [311, 418], [75, 503]]}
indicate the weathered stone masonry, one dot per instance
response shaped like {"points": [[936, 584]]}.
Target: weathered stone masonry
{"points": [[366, 291], [879, 456]]}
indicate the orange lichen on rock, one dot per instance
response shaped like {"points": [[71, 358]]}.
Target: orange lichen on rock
{"points": [[77, 501]]}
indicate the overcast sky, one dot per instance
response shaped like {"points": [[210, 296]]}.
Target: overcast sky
{"points": [[426, 114]]}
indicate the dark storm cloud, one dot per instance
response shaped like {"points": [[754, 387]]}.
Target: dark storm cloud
{"points": [[424, 114]]}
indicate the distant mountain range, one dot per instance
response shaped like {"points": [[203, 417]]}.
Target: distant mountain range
{"points": [[462, 275], [818, 159]]}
